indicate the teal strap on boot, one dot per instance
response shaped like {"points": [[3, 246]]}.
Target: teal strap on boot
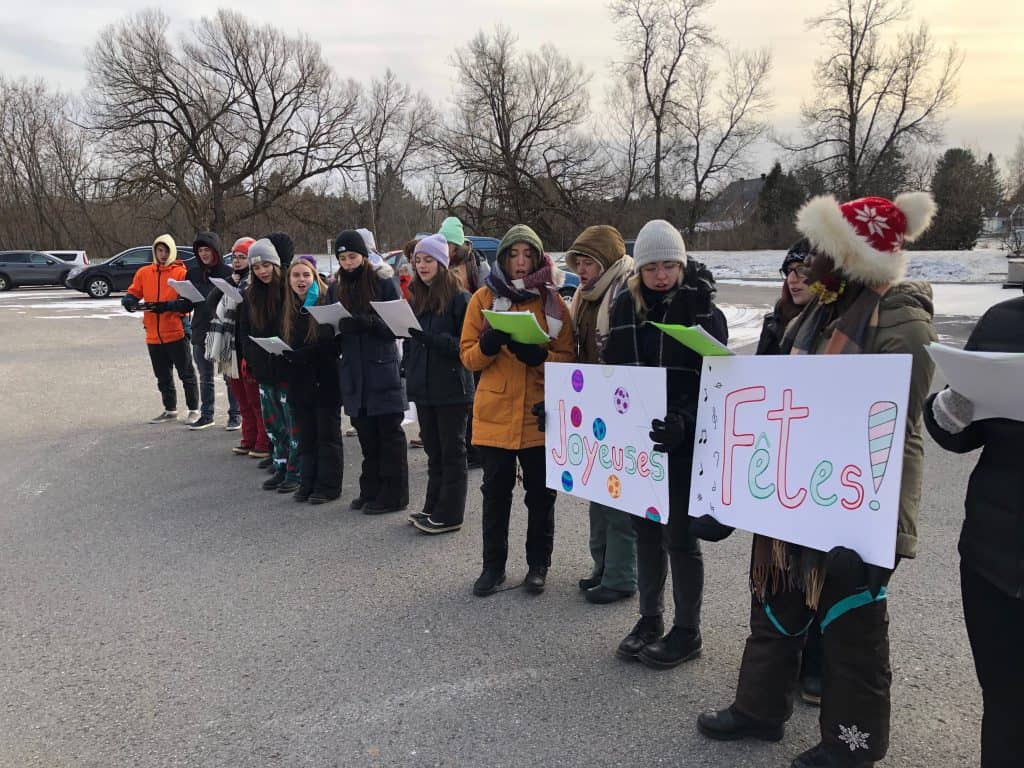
{"points": [[850, 603], [780, 628]]}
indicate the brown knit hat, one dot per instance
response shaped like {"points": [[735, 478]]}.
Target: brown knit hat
{"points": [[602, 243]]}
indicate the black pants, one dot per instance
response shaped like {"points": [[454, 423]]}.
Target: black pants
{"points": [[856, 675], [499, 479], [657, 548], [384, 476], [167, 357], [321, 456], [995, 626], [443, 429]]}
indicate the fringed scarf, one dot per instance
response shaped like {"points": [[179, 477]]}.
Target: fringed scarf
{"points": [[220, 338], [543, 281], [591, 309], [775, 564]]}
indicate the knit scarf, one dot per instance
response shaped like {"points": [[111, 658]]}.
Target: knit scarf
{"points": [[591, 308], [537, 283], [778, 564], [220, 338]]}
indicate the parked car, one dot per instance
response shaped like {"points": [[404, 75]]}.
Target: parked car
{"points": [[74, 258], [30, 268], [116, 274]]}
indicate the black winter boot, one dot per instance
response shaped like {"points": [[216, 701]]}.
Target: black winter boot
{"points": [[487, 582], [535, 578], [673, 649], [730, 725], [821, 756], [646, 631], [272, 483]]}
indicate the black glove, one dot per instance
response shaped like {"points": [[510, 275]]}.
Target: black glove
{"points": [[541, 414], [529, 354], [158, 307], [492, 341], [707, 528], [672, 432], [852, 573], [129, 302]]}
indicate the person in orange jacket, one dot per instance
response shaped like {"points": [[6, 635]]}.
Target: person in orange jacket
{"points": [[166, 337], [511, 382]]}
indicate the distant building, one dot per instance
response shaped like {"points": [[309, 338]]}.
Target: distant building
{"points": [[733, 206], [999, 221]]}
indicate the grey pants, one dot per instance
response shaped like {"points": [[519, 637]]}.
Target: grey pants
{"points": [[613, 547]]}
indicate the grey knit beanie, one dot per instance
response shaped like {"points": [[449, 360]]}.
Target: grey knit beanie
{"points": [[263, 251], [658, 241]]}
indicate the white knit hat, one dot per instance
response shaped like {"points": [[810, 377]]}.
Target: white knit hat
{"points": [[658, 241]]}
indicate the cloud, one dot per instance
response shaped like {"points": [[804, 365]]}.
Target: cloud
{"points": [[39, 51]]}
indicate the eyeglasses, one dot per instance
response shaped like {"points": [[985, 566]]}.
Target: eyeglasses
{"points": [[801, 270]]}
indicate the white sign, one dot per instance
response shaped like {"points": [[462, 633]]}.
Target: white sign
{"points": [[806, 449], [597, 437]]}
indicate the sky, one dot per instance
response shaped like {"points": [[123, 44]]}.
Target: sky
{"points": [[416, 39]]}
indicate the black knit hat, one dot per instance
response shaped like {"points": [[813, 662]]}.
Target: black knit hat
{"points": [[797, 254], [210, 240], [284, 246], [350, 240]]}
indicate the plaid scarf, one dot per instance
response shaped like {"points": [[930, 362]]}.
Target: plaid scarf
{"points": [[220, 338], [543, 281], [775, 564]]}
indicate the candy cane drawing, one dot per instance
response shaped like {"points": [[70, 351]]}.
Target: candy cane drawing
{"points": [[881, 429]]}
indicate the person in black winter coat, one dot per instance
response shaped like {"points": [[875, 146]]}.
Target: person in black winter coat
{"points": [[666, 288], [795, 295], [314, 385], [992, 539], [371, 384], [208, 263], [439, 385]]}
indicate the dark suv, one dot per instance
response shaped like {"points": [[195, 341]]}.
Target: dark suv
{"points": [[30, 268], [116, 274]]}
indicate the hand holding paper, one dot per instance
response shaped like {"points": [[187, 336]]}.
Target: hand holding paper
{"points": [[187, 290], [984, 378], [521, 326], [696, 338], [398, 316], [272, 344], [227, 288], [328, 314]]}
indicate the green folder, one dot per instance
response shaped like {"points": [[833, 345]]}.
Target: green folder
{"points": [[696, 338], [521, 326]]}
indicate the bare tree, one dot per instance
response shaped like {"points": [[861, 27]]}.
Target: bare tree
{"points": [[627, 137], [658, 37], [396, 127], [225, 123], [724, 115], [516, 130], [871, 101]]}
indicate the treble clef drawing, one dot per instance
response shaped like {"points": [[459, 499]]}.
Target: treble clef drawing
{"points": [[714, 417]]}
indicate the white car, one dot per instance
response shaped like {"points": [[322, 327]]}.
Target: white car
{"points": [[74, 258]]}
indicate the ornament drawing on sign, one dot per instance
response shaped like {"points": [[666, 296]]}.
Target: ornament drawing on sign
{"points": [[577, 380], [621, 398], [614, 486]]}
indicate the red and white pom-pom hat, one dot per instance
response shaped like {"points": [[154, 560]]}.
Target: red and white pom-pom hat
{"points": [[864, 238]]}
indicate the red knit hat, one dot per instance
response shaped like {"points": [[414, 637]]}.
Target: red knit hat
{"points": [[865, 237], [242, 245]]}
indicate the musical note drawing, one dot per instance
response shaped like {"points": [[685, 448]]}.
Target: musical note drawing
{"points": [[714, 417], [700, 473], [700, 497], [714, 487], [718, 385], [717, 456], [705, 394], [712, 509], [703, 437]]}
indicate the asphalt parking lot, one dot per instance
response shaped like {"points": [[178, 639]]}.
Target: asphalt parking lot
{"points": [[158, 609]]}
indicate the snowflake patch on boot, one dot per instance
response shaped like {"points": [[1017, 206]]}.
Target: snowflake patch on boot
{"points": [[853, 737]]}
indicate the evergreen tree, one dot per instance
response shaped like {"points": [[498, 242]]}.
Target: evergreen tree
{"points": [[963, 188], [777, 204]]}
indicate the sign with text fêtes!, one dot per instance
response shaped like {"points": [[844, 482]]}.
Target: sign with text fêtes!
{"points": [[806, 449], [597, 438]]}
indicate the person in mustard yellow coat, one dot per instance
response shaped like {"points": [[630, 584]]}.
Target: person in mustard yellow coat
{"points": [[511, 383]]}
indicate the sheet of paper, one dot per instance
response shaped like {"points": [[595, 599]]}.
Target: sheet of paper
{"points": [[990, 380], [398, 315], [521, 326], [272, 344], [328, 314], [186, 290], [227, 288], [696, 338]]}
